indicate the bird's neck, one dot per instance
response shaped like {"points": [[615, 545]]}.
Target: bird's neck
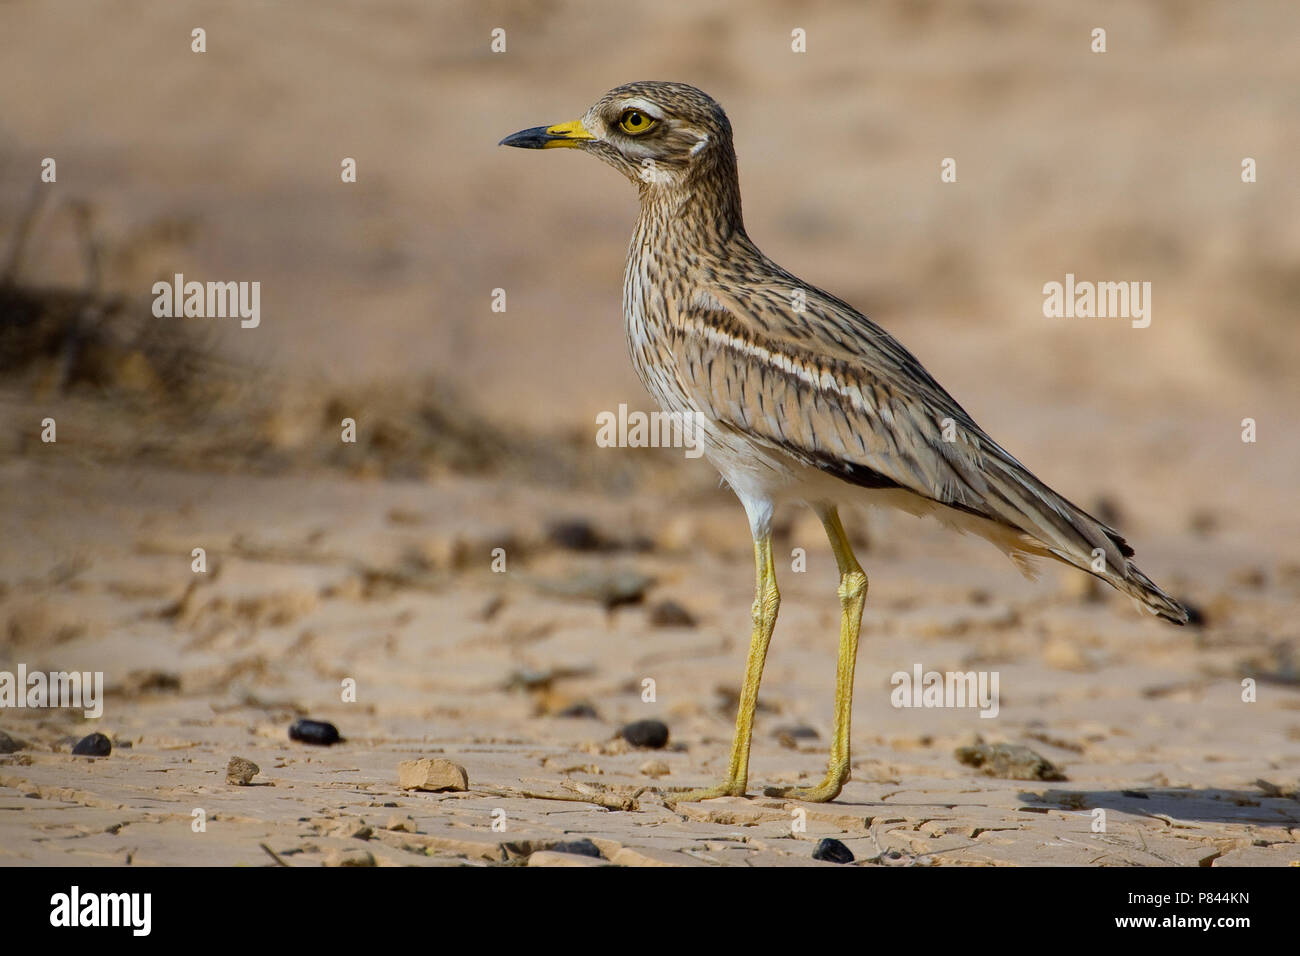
{"points": [[699, 212]]}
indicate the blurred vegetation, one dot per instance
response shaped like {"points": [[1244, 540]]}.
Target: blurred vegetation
{"points": [[129, 386]]}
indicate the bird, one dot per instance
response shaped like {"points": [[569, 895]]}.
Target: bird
{"points": [[798, 397]]}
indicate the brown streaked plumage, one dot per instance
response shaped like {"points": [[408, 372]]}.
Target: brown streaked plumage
{"points": [[800, 396]]}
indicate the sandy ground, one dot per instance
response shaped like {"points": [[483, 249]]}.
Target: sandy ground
{"points": [[372, 562], [388, 584]]}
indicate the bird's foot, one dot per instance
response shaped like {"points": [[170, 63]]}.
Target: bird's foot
{"points": [[728, 788], [824, 792]]}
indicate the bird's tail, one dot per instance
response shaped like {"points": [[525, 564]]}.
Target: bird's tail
{"points": [[1145, 593], [1055, 527]]}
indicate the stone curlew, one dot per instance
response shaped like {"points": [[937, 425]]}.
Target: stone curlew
{"points": [[800, 396]]}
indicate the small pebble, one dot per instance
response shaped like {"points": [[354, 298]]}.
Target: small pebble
{"points": [[8, 745], [431, 774], [240, 772], [352, 830], [580, 847], [670, 614], [610, 587], [1012, 761], [96, 745], [314, 732], [574, 534], [789, 737], [833, 851], [151, 681], [651, 734], [655, 769], [580, 709]]}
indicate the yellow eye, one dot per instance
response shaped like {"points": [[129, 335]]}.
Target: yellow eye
{"points": [[635, 122]]}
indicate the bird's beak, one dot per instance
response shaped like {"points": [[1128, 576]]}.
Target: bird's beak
{"points": [[549, 137]]}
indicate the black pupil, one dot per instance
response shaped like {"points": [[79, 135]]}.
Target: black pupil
{"points": [[634, 119]]}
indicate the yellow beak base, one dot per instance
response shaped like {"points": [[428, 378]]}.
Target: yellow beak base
{"points": [[568, 135]]}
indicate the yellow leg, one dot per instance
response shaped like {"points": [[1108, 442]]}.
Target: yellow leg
{"points": [[853, 595], [767, 599]]}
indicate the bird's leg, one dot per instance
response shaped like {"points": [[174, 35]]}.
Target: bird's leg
{"points": [[767, 599], [853, 595]]}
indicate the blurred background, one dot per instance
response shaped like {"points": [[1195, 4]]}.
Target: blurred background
{"points": [[476, 428], [225, 165]]}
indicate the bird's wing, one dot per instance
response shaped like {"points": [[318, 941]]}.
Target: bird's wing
{"points": [[832, 390]]}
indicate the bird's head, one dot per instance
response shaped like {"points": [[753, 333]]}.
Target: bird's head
{"points": [[656, 134]]}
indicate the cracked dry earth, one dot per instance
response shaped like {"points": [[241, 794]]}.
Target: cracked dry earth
{"points": [[389, 584]]}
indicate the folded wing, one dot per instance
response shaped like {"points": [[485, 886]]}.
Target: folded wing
{"points": [[831, 390]]}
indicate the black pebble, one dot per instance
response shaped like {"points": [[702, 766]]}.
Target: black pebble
{"points": [[8, 745], [580, 709], [580, 847], [314, 732], [574, 534], [96, 745], [652, 734], [833, 851]]}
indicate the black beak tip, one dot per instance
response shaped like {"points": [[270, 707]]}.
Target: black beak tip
{"points": [[534, 138]]}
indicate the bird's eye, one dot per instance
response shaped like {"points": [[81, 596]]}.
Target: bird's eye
{"points": [[635, 122]]}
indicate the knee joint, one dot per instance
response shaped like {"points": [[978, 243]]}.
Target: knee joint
{"points": [[766, 604], [853, 585]]}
